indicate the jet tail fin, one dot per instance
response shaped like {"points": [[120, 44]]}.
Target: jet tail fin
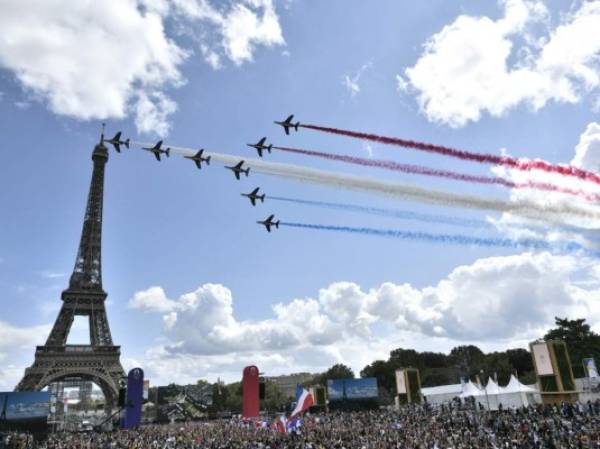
{"points": [[269, 147], [262, 198], [247, 171], [168, 152], [296, 126], [207, 160], [277, 224], [126, 143]]}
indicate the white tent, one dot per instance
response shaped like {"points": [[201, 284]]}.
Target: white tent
{"points": [[516, 394], [470, 389]]}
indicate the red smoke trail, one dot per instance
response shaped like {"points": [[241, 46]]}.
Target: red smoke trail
{"points": [[519, 164], [426, 171]]}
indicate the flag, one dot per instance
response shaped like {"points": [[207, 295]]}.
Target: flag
{"points": [[304, 400], [280, 424], [293, 425]]}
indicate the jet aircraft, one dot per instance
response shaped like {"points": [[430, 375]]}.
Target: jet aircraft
{"points": [[156, 149], [255, 196], [260, 146], [269, 222], [237, 169], [198, 159], [117, 142], [287, 124]]}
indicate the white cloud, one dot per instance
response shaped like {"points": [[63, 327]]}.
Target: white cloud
{"points": [[587, 151], [153, 299], [236, 30], [111, 59], [89, 60], [14, 342], [351, 82], [496, 301], [466, 69]]}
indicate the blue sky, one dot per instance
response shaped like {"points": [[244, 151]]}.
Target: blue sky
{"points": [[514, 76]]}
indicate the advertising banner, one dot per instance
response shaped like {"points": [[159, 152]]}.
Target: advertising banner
{"points": [[133, 401], [400, 381], [543, 362]]}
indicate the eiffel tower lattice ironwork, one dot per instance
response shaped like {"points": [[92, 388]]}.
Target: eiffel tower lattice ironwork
{"points": [[99, 361]]}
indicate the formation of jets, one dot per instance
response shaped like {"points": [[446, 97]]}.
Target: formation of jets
{"points": [[287, 124], [269, 222], [237, 169], [198, 159], [255, 196], [260, 146], [117, 142], [157, 150]]}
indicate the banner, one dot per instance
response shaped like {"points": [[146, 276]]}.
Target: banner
{"points": [[133, 401], [543, 363], [590, 368], [400, 381]]}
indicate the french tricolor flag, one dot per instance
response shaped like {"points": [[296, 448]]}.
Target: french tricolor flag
{"points": [[304, 401]]}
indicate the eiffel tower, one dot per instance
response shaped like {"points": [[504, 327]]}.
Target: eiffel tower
{"points": [[99, 361]]}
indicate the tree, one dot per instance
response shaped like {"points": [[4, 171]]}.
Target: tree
{"points": [[581, 341], [337, 371], [468, 359]]}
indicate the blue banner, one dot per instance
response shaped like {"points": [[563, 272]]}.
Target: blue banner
{"points": [[134, 398]]}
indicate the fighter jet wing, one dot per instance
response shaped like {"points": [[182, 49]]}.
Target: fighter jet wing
{"points": [[237, 175], [157, 156]]}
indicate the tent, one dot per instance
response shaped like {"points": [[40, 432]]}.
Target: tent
{"points": [[516, 394], [470, 389]]}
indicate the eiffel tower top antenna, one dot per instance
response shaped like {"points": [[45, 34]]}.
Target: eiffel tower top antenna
{"points": [[102, 134]]}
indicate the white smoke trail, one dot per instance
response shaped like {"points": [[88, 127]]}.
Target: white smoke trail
{"points": [[554, 214]]}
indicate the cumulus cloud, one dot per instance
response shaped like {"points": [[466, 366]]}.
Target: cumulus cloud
{"points": [[112, 59], [14, 342], [496, 299], [88, 60], [476, 64]]}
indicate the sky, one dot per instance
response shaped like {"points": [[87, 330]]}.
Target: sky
{"points": [[196, 289]]}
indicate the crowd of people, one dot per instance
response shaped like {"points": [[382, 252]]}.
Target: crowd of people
{"points": [[413, 427]]}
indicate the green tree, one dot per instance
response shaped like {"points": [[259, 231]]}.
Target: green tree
{"points": [[468, 359], [337, 371], [581, 341]]}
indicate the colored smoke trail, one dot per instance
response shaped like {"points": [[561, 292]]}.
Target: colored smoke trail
{"points": [[552, 214], [426, 171], [393, 213], [508, 161], [457, 239], [431, 218]]}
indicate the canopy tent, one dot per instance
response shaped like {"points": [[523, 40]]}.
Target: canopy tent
{"points": [[516, 394], [470, 389]]}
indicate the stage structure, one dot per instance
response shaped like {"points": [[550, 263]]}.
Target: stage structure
{"points": [[98, 361], [408, 386], [553, 368]]}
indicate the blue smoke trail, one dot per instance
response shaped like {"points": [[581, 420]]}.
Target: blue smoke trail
{"points": [[394, 213], [429, 218], [448, 238]]}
